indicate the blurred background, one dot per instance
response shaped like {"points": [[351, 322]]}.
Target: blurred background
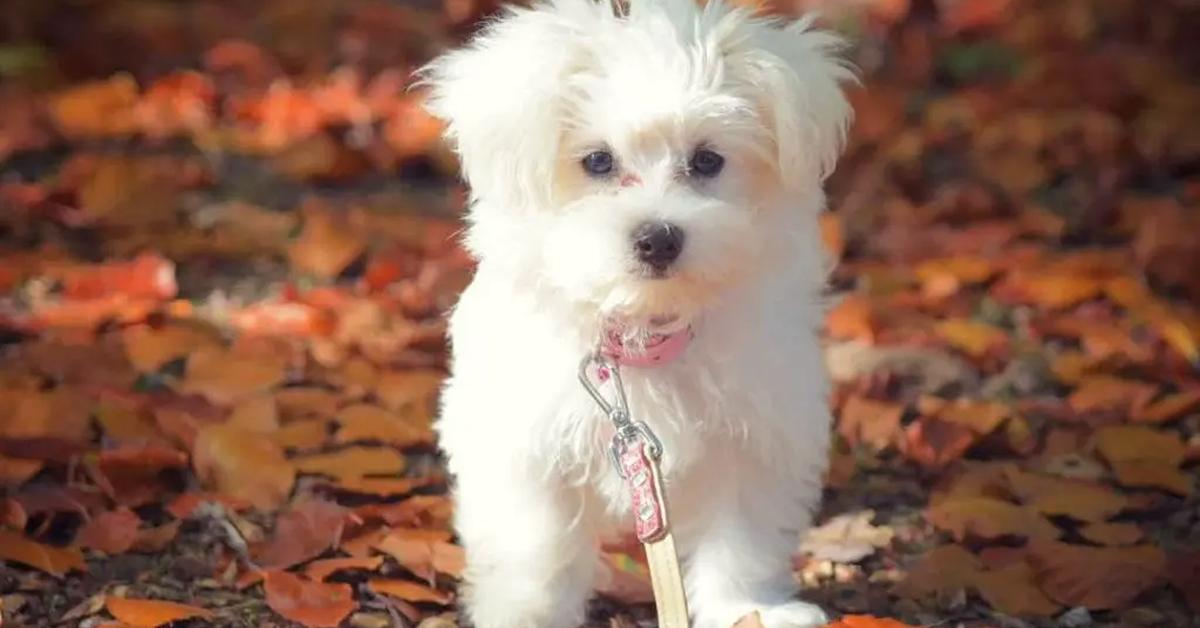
{"points": [[227, 239]]}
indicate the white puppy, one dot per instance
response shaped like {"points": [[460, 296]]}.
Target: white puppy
{"points": [[643, 176]]}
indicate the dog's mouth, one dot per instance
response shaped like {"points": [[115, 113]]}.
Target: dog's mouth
{"points": [[661, 339]]}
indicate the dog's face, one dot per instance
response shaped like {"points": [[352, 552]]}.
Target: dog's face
{"points": [[642, 165]]}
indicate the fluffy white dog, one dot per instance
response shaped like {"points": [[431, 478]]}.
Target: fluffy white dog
{"points": [[646, 176]]}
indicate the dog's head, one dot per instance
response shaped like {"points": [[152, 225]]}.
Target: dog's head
{"points": [[641, 164]]}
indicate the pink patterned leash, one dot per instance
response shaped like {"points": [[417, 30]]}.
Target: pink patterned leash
{"points": [[635, 452]]}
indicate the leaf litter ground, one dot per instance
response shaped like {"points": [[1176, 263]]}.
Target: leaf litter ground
{"points": [[227, 240]]}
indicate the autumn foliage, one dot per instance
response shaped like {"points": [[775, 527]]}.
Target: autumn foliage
{"points": [[228, 236]]}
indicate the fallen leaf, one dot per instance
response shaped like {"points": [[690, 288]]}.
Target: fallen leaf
{"points": [[156, 539], [94, 109], [149, 348], [875, 423], [864, 621], [326, 245], [988, 518], [1152, 474], [943, 277], [112, 532], [56, 561], [147, 276], [422, 556], [972, 337], [410, 390], [353, 462], [1167, 408], [846, 538], [1085, 501], [981, 417], [183, 506], [1011, 590], [1111, 534], [382, 487], [1135, 443], [319, 570], [256, 414], [303, 435], [301, 533], [409, 591], [309, 603], [244, 465], [227, 377], [851, 319], [1103, 392], [1097, 578], [151, 613], [933, 443], [365, 422], [942, 569], [303, 402]]}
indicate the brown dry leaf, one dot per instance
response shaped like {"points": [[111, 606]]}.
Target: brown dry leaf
{"points": [[1135, 443], [1053, 290], [1097, 577], [353, 462], [1111, 534], [1011, 590], [945, 276], [152, 613], [423, 556], [972, 337], [56, 561], [122, 424], [299, 402], [303, 435], [243, 464], [17, 471], [382, 487], [944, 568], [311, 604], [112, 532], [366, 422], [156, 539], [302, 533], [413, 390], [409, 591], [1167, 408], [1104, 392], [870, 422], [327, 245], [988, 518], [1152, 474], [256, 414], [933, 443], [1085, 501], [149, 348], [60, 413], [319, 570], [228, 376]]}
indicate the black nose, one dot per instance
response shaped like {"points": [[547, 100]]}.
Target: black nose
{"points": [[657, 244]]}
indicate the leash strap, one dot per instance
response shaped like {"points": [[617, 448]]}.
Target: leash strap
{"points": [[636, 451]]}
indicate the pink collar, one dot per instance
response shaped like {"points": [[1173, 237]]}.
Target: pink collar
{"points": [[658, 350]]}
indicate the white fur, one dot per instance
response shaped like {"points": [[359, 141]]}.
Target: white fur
{"points": [[742, 413]]}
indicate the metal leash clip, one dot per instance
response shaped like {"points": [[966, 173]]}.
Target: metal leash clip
{"points": [[627, 430]]}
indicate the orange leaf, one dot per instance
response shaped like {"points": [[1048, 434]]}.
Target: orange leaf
{"points": [[353, 462], [301, 533], [867, 621], [149, 348], [875, 423], [1051, 290], [56, 561], [97, 109], [981, 417], [933, 443], [327, 244], [943, 277], [256, 414], [833, 234], [972, 337], [423, 557], [150, 613], [226, 376], [1103, 392], [148, 276], [112, 532], [851, 319], [409, 591], [321, 569], [365, 422], [243, 464], [312, 604], [988, 518], [1097, 578]]}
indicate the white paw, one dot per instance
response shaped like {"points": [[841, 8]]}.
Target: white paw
{"points": [[793, 615]]}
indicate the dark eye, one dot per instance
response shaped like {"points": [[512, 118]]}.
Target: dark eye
{"points": [[706, 163], [598, 163]]}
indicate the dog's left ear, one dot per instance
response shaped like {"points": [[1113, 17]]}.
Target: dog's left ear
{"points": [[796, 72]]}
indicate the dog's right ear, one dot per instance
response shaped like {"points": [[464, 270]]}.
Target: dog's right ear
{"points": [[501, 98]]}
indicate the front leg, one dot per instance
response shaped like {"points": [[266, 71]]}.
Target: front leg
{"points": [[739, 548], [531, 555]]}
